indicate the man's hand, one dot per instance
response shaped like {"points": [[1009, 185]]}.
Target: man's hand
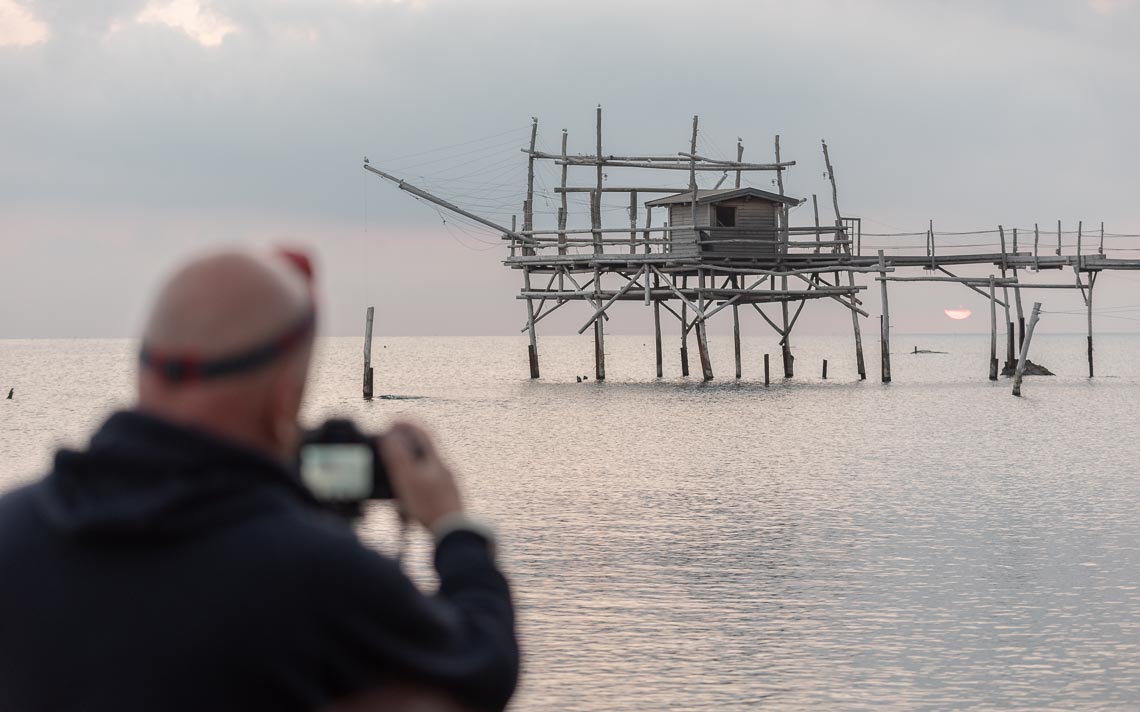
{"points": [[421, 482]]}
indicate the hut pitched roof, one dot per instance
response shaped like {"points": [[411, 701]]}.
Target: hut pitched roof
{"points": [[709, 195]]}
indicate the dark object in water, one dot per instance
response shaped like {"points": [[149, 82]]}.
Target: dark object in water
{"points": [[927, 351], [10, 392], [579, 378], [1031, 369]]}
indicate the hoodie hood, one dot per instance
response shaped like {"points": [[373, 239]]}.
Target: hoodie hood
{"points": [[143, 476]]}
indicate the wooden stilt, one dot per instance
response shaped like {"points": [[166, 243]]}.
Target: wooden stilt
{"points": [[1089, 301], [684, 333], [736, 330], [1010, 350], [1017, 298], [368, 353], [859, 363], [599, 331], [993, 332], [767, 371], [657, 328], [702, 337], [1024, 357], [885, 325], [532, 349], [825, 369]]}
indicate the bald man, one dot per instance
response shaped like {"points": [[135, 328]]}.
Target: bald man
{"points": [[178, 563]]}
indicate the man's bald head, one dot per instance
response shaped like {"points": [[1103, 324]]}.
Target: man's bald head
{"points": [[218, 307]]}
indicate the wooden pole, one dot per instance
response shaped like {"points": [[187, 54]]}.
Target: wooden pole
{"points": [[1100, 250], [1058, 237], [1089, 300], [885, 338], [1009, 338], [684, 333], [1080, 235], [657, 326], [815, 212], [786, 340], [702, 337], [532, 348], [599, 330], [598, 192], [1025, 349], [1017, 298], [368, 353], [930, 231], [767, 373], [850, 277], [740, 156], [1036, 240], [993, 332], [562, 208], [825, 369], [736, 329], [528, 204]]}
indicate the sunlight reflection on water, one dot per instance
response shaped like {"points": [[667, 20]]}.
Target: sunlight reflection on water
{"points": [[677, 545]]}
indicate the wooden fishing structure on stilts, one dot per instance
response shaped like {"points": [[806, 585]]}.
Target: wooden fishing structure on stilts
{"points": [[717, 250]]}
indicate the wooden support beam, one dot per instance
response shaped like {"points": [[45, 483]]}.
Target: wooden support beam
{"points": [[597, 194], [993, 332], [684, 324], [607, 189], [702, 336], [767, 374], [736, 330], [885, 337], [1017, 297], [532, 348], [368, 352], [657, 329], [859, 363], [599, 332], [1089, 302], [1024, 357], [740, 158], [562, 211]]}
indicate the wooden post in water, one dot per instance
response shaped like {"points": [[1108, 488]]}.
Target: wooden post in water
{"points": [[993, 332], [657, 326], [767, 372], [825, 369], [736, 330], [532, 348], [1017, 298], [885, 338], [368, 353], [1089, 301], [859, 364], [684, 334], [702, 337], [1025, 349], [1010, 349]]}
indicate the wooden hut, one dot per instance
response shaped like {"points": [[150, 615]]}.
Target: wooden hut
{"points": [[733, 222]]}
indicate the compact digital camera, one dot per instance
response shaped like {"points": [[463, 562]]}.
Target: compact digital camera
{"points": [[341, 466]]}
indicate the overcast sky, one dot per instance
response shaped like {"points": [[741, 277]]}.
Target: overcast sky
{"points": [[136, 131]]}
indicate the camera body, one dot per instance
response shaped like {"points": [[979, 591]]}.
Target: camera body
{"points": [[341, 465]]}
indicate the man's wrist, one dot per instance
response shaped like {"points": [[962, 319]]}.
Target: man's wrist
{"points": [[461, 522]]}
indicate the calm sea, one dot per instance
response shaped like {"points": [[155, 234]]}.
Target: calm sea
{"points": [[933, 543]]}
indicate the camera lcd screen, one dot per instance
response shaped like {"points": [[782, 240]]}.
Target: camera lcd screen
{"points": [[337, 471]]}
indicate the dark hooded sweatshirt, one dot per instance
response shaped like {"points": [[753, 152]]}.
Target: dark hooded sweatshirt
{"points": [[166, 569]]}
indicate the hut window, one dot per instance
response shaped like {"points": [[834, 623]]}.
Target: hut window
{"points": [[725, 216]]}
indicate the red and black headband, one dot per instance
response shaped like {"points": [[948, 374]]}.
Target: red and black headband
{"points": [[182, 368]]}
